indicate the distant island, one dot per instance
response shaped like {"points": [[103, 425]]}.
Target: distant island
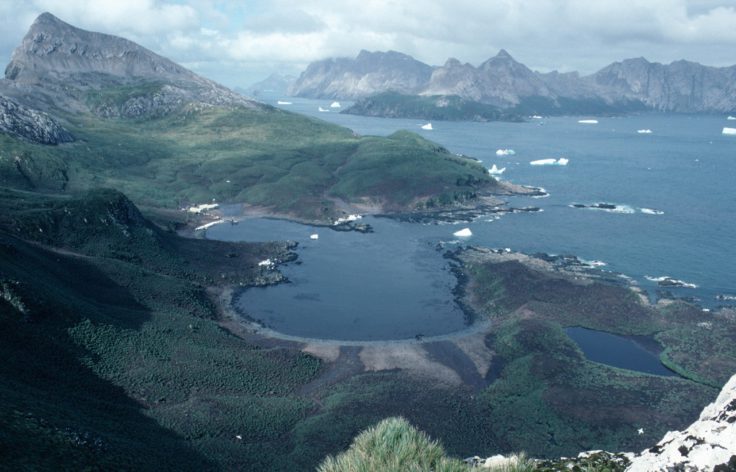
{"points": [[632, 85]]}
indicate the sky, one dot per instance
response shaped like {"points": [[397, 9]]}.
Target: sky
{"points": [[240, 42]]}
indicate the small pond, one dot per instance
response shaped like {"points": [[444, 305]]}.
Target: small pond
{"points": [[619, 351]]}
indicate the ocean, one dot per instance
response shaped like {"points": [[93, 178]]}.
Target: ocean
{"points": [[673, 191]]}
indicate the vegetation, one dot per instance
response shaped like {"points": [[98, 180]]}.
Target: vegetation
{"points": [[437, 107], [267, 157], [392, 445]]}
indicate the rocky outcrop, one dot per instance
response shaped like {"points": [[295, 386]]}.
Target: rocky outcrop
{"points": [[365, 75], [631, 85], [707, 444], [60, 66], [29, 124], [277, 84]]}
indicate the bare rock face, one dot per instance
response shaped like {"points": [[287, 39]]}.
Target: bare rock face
{"points": [[29, 124], [709, 444], [365, 75], [60, 66]]}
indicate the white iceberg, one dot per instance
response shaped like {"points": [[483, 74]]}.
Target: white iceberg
{"points": [[496, 171], [731, 118], [505, 152], [588, 122], [428, 126], [202, 207], [536, 117], [463, 233], [651, 211], [644, 131], [335, 105], [550, 162], [282, 102], [347, 219], [322, 110], [314, 236], [729, 131]]}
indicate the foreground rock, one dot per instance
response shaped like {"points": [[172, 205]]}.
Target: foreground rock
{"points": [[707, 444]]}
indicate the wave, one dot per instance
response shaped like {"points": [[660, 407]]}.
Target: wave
{"points": [[608, 207]]}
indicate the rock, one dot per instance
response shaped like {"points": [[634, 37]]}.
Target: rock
{"points": [[29, 124], [707, 444]]}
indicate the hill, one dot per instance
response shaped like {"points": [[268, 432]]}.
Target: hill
{"points": [[167, 137]]}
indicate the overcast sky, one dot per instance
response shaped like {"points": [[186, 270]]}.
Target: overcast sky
{"points": [[240, 42]]}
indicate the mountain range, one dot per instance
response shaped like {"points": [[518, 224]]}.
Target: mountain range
{"points": [[501, 81]]}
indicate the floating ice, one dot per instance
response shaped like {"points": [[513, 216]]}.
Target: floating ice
{"points": [[536, 117], [322, 110], [588, 122], [314, 236], [667, 281], [347, 219], [202, 207], [550, 162], [496, 171], [335, 105], [731, 118], [282, 102], [428, 126], [650, 211], [729, 131], [463, 233], [505, 152], [644, 131]]}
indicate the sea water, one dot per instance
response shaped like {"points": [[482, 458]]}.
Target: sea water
{"points": [[674, 191]]}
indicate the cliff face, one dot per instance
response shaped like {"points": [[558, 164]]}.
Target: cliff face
{"points": [[501, 81], [369, 72], [29, 124], [60, 66]]}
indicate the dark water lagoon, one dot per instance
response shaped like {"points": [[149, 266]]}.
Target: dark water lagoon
{"points": [[617, 351], [674, 198]]}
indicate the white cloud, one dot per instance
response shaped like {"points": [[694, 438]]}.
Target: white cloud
{"points": [[236, 41]]}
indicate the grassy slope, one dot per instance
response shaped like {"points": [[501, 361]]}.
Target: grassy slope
{"points": [[266, 157], [139, 379]]}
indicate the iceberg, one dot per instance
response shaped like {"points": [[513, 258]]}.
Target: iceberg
{"points": [[550, 162], [496, 171], [536, 117], [203, 207], [505, 152], [347, 219], [729, 131], [463, 233], [588, 122], [428, 126], [650, 211], [322, 110], [314, 236], [282, 102], [335, 105], [644, 131], [731, 118]]}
